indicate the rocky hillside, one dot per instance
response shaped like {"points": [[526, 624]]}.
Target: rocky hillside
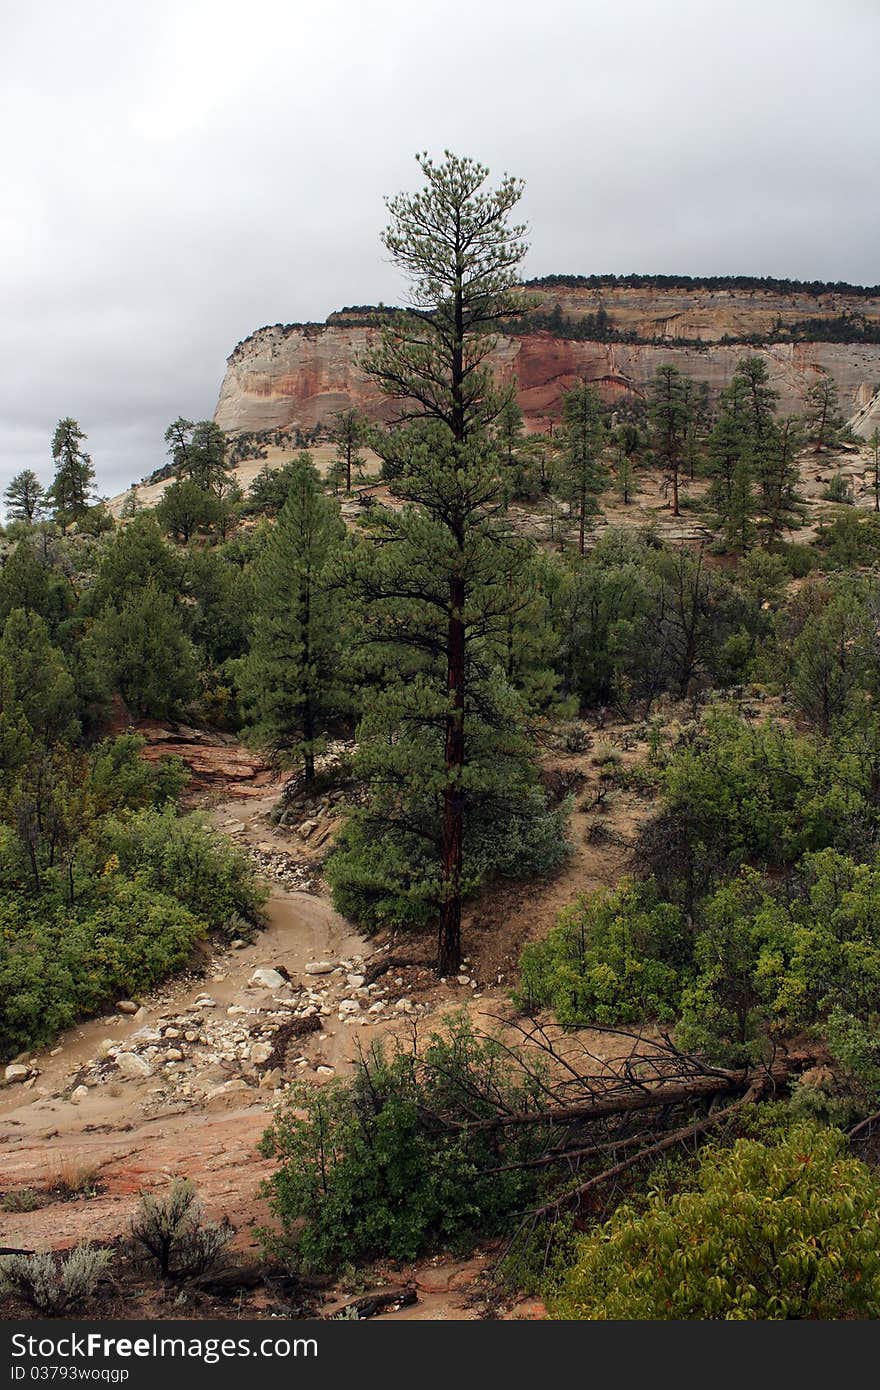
{"points": [[610, 332]]}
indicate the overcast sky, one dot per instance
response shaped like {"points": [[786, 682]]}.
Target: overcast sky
{"points": [[175, 174]]}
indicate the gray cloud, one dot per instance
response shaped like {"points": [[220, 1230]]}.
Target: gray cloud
{"points": [[177, 174]]}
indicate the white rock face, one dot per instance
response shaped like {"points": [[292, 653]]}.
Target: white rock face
{"points": [[268, 978], [133, 1066]]}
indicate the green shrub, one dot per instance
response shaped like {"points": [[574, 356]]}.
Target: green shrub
{"points": [[183, 857], [782, 1231], [614, 957], [838, 490], [383, 1163], [60, 963]]}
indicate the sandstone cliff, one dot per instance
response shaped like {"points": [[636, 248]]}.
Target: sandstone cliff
{"points": [[300, 375]]}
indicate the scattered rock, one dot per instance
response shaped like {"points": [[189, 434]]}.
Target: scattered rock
{"points": [[403, 1006], [78, 1093], [307, 828], [126, 1006], [174, 1054], [320, 967], [325, 1071], [268, 978], [133, 1066], [15, 1072], [355, 981], [349, 1006], [270, 1080], [261, 1052]]}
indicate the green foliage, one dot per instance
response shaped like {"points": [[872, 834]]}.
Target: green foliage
{"points": [[186, 508], [24, 497], [833, 656], [221, 602], [613, 957], [291, 681], [37, 694], [53, 1285], [70, 493], [60, 962], [772, 1232], [384, 1162], [144, 650], [849, 539], [181, 856], [582, 475], [838, 490], [136, 556], [28, 580], [760, 794], [824, 419]]}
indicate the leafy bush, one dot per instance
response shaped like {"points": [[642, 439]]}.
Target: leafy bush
{"points": [[54, 1286], [850, 539], [838, 490], [58, 963], [171, 1232], [772, 1232], [119, 778], [757, 962], [384, 1162], [613, 957], [181, 855], [755, 794]]}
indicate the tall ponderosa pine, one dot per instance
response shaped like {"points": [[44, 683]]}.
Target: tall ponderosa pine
{"points": [[71, 491], [824, 419], [670, 423], [581, 471], [348, 436], [24, 497], [441, 742], [754, 459], [290, 682]]}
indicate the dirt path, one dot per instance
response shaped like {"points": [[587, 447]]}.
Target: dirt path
{"points": [[185, 1087]]}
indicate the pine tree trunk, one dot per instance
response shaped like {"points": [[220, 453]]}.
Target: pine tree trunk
{"points": [[452, 845]]}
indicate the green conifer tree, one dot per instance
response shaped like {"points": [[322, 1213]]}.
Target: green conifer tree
{"points": [[581, 472], [291, 681], [442, 745], [71, 491]]}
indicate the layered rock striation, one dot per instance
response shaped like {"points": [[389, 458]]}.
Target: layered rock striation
{"points": [[615, 335]]}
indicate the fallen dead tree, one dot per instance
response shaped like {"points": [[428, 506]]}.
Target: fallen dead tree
{"points": [[587, 1110], [494, 1131]]}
